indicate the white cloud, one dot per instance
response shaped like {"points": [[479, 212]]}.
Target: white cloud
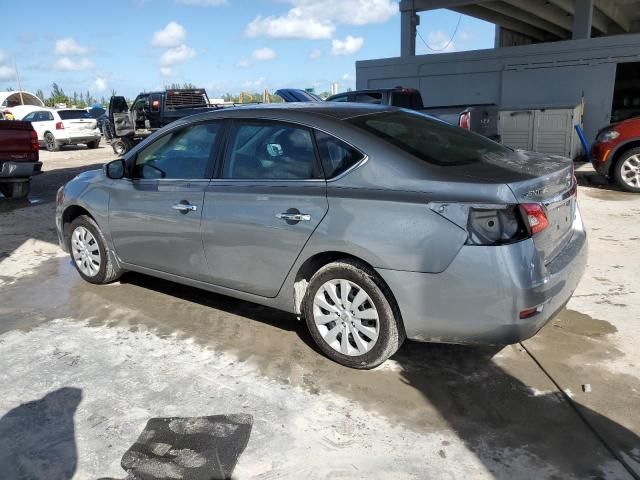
{"points": [[316, 19], [315, 54], [68, 46], [259, 82], [178, 54], [203, 3], [166, 71], [347, 46], [262, 54], [294, 25], [2, 56], [243, 63], [170, 36], [100, 84], [67, 64], [7, 73]]}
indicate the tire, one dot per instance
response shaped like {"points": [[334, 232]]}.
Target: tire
{"points": [[120, 146], [15, 190], [50, 142], [105, 271], [366, 353], [94, 144], [627, 170]]}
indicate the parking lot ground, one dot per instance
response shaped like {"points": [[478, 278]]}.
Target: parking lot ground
{"points": [[83, 368]]}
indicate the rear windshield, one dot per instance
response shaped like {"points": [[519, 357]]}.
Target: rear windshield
{"points": [[429, 139], [73, 114]]}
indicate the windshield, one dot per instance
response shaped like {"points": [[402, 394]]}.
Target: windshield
{"points": [[431, 140], [73, 114]]}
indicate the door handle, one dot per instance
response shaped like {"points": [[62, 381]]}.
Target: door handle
{"points": [[185, 207], [294, 217]]}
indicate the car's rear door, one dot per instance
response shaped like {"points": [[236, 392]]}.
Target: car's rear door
{"points": [[269, 197], [155, 216]]}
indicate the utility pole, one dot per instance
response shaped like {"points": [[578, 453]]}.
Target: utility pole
{"points": [[15, 67]]}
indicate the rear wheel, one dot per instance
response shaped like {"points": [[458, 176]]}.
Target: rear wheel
{"points": [[351, 315], [93, 144], [15, 190], [50, 142], [627, 170], [89, 255]]}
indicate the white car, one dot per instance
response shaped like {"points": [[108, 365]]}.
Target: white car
{"points": [[70, 126]]}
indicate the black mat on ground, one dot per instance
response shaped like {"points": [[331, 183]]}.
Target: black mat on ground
{"points": [[193, 448]]}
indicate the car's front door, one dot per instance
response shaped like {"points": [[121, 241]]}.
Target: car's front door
{"points": [[269, 198], [155, 216]]}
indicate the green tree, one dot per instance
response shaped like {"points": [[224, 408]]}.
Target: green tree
{"points": [[40, 94]]}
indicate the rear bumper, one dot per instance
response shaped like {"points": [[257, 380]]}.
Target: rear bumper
{"points": [[478, 298], [80, 137], [19, 169]]}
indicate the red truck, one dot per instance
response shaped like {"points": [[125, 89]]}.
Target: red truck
{"points": [[19, 158]]}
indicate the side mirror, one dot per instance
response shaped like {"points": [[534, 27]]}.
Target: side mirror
{"points": [[115, 169]]}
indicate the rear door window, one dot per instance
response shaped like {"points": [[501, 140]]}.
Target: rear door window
{"points": [[431, 140], [270, 151], [181, 154], [336, 156]]}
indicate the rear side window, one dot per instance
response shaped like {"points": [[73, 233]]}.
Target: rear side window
{"points": [[270, 151], [407, 99], [182, 153], [337, 157], [73, 114], [431, 140], [341, 98]]}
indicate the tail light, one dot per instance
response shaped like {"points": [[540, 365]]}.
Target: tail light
{"points": [[535, 216], [492, 226], [59, 126], [465, 120], [35, 146]]}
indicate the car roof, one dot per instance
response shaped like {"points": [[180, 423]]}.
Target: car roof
{"points": [[339, 111]]}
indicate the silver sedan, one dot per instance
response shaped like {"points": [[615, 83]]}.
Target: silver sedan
{"points": [[375, 224]]}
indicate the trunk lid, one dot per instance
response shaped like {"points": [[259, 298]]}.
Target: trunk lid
{"points": [[555, 189], [77, 120], [547, 180]]}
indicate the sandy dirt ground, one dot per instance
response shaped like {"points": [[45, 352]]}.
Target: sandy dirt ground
{"points": [[83, 368]]}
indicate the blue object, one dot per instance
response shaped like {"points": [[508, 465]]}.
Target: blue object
{"points": [[583, 140]]}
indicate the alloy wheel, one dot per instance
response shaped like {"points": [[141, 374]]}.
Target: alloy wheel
{"points": [[346, 317], [86, 252], [630, 171]]}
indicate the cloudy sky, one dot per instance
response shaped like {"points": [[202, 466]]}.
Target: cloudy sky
{"points": [[222, 45]]}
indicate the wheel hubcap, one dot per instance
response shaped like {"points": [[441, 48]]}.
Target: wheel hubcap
{"points": [[631, 171], [346, 317], [86, 253]]}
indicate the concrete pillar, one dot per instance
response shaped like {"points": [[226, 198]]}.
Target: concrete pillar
{"points": [[582, 19], [409, 20], [498, 34]]}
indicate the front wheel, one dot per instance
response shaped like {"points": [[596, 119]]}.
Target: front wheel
{"points": [[627, 170], [351, 315], [93, 144], [88, 249], [120, 146]]}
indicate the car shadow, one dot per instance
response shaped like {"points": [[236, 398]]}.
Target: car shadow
{"points": [[513, 430], [37, 439], [252, 311]]}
